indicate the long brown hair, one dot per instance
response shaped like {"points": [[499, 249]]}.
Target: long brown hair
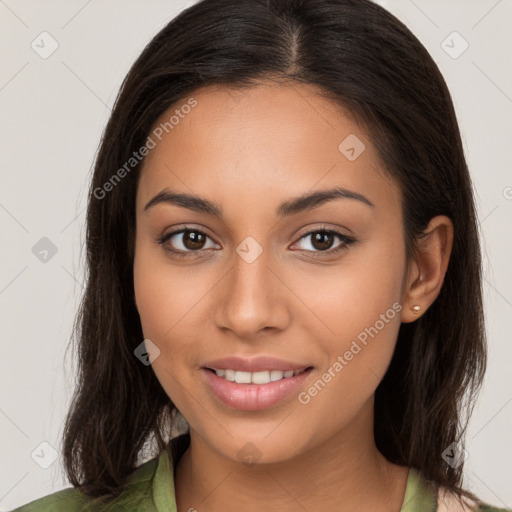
{"points": [[363, 58]]}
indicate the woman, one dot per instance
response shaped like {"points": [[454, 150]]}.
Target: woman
{"points": [[282, 249]]}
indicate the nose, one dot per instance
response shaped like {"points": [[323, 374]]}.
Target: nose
{"points": [[252, 299]]}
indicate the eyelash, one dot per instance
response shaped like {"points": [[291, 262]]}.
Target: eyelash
{"points": [[185, 254]]}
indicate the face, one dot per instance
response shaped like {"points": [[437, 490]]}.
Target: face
{"points": [[316, 285]]}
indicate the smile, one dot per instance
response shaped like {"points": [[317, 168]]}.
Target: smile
{"points": [[263, 377], [253, 391]]}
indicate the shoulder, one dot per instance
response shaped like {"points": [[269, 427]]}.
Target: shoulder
{"points": [[448, 502], [136, 495], [69, 499]]}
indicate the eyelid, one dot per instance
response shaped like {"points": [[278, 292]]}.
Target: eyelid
{"points": [[329, 229], [345, 239], [161, 240]]}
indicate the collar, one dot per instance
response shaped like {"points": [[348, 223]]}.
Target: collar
{"points": [[419, 494]]}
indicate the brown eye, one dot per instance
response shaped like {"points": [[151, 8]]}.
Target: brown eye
{"points": [[185, 241], [193, 240], [322, 240]]}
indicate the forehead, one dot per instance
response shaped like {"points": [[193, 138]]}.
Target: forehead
{"points": [[260, 144]]}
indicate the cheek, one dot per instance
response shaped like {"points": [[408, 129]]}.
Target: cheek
{"points": [[147, 294], [359, 306], [170, 300], [347, 298], [155, 293], [161, 299], [162, 304]]}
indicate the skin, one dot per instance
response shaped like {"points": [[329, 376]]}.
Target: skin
{"points": [[249, 151]]}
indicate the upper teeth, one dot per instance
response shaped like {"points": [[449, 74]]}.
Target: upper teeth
{"points": [[255, 377]]}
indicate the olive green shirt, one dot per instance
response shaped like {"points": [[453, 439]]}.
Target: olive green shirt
{"points": [[150, 488]]}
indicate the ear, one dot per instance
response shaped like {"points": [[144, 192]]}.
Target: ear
{"points": [[428, 267]]}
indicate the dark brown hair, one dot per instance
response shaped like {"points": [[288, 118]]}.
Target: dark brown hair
{"points": [[360, 56]]}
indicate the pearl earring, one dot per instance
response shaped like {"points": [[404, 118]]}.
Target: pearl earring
{"points": [[416, 309]]}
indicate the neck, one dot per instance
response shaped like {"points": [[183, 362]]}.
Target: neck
{"points": [[344, 473]]}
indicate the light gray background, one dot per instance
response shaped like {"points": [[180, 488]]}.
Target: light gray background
{"points": [[53, 113]]}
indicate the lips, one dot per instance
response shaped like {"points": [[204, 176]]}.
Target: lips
{"points": [[255, 364], [231, 381], [262, 377]]}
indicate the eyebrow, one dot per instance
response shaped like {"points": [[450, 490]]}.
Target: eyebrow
{"points": [[287, 208]]}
